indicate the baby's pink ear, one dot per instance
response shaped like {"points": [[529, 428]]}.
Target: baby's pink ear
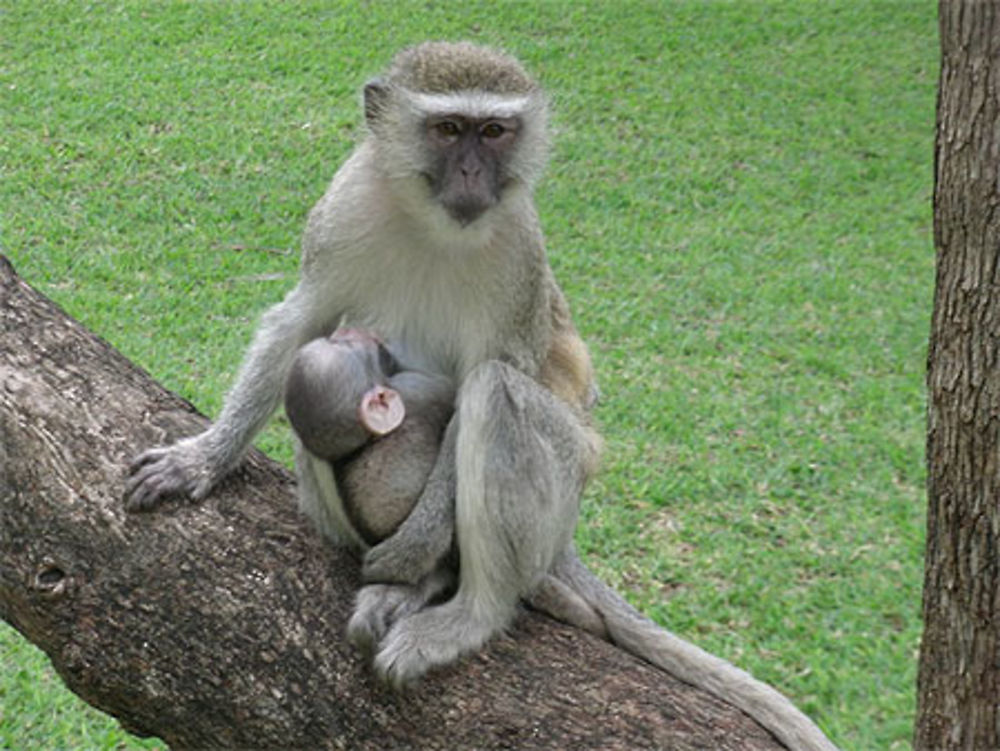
{"points": [[381, 410]]}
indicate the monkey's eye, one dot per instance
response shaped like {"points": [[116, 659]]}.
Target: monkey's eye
{"points": [[447, 128], [492, 130]]}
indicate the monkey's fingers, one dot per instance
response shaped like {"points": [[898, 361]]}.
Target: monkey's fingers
{"points": [[144, 490], [155, 476], [399, 561], [146, 457]]}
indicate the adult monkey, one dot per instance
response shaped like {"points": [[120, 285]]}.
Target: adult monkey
{"points": [[428, 235]]}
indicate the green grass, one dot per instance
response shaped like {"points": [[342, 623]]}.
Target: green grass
{"points": [[738, 207]]}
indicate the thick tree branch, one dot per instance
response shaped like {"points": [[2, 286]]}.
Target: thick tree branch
{"points": [[220, 624]]}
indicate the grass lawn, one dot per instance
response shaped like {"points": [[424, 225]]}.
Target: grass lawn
{"points": [[738, 208]]}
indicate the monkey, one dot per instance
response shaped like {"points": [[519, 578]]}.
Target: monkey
{"points": [[429, 235], [349, 403], [346, 397]]}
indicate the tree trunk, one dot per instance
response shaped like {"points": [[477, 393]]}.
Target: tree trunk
{"points": [[959, 682], [220, 624]]}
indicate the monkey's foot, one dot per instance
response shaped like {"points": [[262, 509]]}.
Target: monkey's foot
{"points": [[428, 639], [182, 469], [379, 606]]}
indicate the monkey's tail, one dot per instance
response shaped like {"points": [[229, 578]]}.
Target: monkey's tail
{"points": [[629, 629]]}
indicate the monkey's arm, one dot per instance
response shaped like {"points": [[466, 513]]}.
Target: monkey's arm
{"points": [[194, 465], [426, 535]]}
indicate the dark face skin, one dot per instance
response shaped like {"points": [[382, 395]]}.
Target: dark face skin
{"points": [[467, 172]]}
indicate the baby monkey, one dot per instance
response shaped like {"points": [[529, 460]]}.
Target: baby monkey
{"points": [[380, 426]]}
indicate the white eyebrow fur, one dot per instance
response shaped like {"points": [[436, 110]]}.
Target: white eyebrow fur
{"points": [[474, 104]]}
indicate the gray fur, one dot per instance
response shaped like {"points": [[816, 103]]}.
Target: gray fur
{"points": [[381, 484], [324, 391], [623, 625], [475, 302], [420, 544], [379, 479]]}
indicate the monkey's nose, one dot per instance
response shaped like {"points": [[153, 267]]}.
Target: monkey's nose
{"points": [[470, 166]]}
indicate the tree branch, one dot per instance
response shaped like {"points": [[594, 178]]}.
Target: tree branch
{"points": [[220, 624]]}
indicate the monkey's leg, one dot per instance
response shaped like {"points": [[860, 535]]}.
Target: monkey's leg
{"points": [[319, 499], [520, 471], [194, 465], [560, 600]]}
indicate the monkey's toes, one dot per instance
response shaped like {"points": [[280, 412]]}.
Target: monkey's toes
{"points": [[400, 665], [367, 627]]}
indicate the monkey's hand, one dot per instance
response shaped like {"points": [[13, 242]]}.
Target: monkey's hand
{"points": [[186, 468], [405, 558]]}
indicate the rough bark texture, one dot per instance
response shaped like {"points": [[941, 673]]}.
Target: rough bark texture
{"points": [[220, 624], [959, 683]]}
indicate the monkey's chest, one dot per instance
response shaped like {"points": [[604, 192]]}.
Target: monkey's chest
{"points": [[432, 335], [440, 312]]}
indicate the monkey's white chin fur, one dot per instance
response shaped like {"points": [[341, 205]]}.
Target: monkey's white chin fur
{"points": [[443, 232]]}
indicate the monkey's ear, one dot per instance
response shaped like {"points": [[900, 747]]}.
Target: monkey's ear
{"points": [[376, 94], [381, 410]]}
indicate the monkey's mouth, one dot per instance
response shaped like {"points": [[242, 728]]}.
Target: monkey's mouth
{"points": [[471, 201], [464, 206], [466, 212]]}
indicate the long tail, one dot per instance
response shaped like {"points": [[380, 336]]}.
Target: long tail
{"points": [[611, 617]]}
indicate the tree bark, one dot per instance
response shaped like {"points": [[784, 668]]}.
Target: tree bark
{"points": [[959, 680], [220, 624]]}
